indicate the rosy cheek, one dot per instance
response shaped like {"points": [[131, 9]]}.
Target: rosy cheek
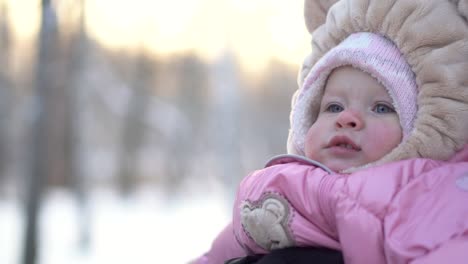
{"points": [[311, 141], [384, 138]]}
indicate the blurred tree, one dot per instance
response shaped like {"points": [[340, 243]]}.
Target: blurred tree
{"points": [[133, 129], [5, 87], [225, 122], [277, 86], [41, 136], [264, 117], [4, 35], [74, 152], [190, 96]]}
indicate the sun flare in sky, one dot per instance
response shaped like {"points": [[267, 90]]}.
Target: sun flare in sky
{"points": [[255, 31]]}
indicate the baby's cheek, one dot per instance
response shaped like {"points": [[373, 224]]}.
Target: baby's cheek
{"points": [[385, 138], [311, 140]]}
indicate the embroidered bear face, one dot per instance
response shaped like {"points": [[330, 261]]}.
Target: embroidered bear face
{"points": [[266, 222]]}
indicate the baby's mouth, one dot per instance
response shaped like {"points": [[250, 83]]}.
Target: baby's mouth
{"points": [[344, 143]]}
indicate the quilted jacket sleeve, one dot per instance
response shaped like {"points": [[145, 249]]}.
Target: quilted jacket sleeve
{"points": [[282, 206], [427, 222], [223, 248], [453, 251], [276, 207]]}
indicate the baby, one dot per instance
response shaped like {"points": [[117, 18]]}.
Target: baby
{"points": [[356, 120], [358, 104], [368, 176]]}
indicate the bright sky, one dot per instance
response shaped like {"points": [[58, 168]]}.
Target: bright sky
{"points": [[255, 30]]}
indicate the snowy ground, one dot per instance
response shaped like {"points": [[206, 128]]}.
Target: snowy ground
{"points": [[142, 229]]}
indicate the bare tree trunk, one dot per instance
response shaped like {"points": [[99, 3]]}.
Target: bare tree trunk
{"points": [[133, 129], [73, 138], [39, 167], [226, 120], [5, 88], [4, 36]]}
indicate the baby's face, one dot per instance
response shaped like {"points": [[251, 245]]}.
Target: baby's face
{"points": [[356, 124]]}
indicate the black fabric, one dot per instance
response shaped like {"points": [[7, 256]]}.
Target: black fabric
{"points": [[245, 260], [295, 255]]}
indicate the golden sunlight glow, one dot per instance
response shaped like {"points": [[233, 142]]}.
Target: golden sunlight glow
{"points": [[24, 17], [255, 31], [24, 20]]}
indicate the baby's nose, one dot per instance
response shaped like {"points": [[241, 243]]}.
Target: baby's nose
{"points": [[349, 119]]}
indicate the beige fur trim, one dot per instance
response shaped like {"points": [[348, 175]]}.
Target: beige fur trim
{"points": [[433, 36], [315, 13], [462, 6]]}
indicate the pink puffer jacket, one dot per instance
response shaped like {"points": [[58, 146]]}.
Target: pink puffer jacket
{"points": [[412, 211]]}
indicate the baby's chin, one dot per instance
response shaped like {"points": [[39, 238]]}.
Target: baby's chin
{"points": [[340, 166]]}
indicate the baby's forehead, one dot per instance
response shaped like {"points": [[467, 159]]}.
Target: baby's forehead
{"points": [[348, 80]]}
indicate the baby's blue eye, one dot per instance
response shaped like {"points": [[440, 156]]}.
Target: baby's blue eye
{"points": [[334, 108], [383, 109]]}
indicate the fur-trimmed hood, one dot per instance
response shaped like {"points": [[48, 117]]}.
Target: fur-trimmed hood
{"points": [[433, 37]]}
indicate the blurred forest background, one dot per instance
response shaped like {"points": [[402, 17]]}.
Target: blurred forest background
{"points": [[126, 125]]}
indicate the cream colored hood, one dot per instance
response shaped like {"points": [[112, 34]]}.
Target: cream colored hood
{"points": [[433, 36]]}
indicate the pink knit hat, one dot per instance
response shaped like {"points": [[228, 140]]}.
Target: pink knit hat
{"points": [[372, 53]]}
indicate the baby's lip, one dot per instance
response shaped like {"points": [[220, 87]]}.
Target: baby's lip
{"points": [[343, 141]]}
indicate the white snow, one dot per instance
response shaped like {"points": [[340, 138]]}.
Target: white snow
{"points": [[145, 228]]}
